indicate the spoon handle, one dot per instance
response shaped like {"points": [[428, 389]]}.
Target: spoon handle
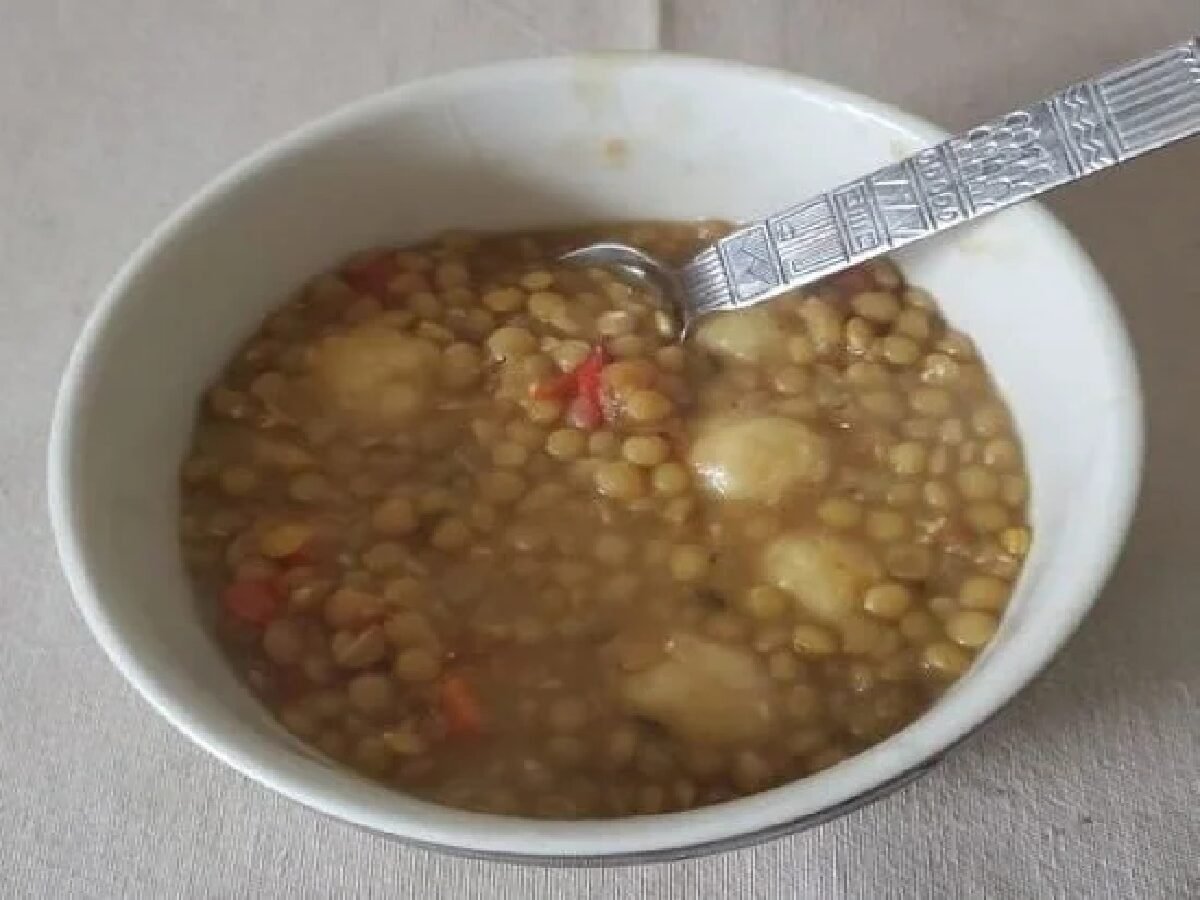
{"points": [[1087, 127]]}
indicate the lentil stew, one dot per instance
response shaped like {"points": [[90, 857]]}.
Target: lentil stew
{"points": [[474, 523]]}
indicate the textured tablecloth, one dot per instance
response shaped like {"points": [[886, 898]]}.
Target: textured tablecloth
{"points": [[114, 111]]}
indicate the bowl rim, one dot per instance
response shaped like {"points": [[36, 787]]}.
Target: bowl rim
{"points": [[787, 807]]}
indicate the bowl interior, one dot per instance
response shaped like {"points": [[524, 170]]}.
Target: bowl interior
{"points": [[534, 144]]}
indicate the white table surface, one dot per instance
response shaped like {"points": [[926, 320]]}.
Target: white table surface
{"points": [[114, 111]]}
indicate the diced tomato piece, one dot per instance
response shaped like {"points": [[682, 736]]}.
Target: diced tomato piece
{"points": [[587, 373], [558, 388], [373, 277], [854, 281], [588, 408], [585, 411], [581, 386], [460, 706], [305, 556], [291, 683], [253, 600]]}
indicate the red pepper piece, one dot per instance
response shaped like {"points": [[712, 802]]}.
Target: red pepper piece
{"points": [[582, 386], [558, 388], [253, 600], [373, 277], [306, 555], [464, 718], [291, 684], [585, 411], [588, 408], [854, 281], [587, 373]]}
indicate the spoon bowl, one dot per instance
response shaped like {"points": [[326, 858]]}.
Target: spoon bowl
{"points": [[640, 269]]}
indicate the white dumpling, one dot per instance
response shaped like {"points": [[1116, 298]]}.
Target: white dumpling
{"points": [[704, 692], [825, 574], [376, 375], [751, 335], [762, 458]]}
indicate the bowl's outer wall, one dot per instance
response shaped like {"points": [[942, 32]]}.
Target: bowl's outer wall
{"points": [[533, 144]]}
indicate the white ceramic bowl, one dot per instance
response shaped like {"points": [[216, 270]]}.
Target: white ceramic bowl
{"points": [[540, 143]]}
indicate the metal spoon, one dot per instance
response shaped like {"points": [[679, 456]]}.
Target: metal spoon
{"points": [[1082, 129]]}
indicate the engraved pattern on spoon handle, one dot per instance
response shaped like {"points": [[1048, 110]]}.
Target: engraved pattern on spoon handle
{"points": [[1080, 130]]}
